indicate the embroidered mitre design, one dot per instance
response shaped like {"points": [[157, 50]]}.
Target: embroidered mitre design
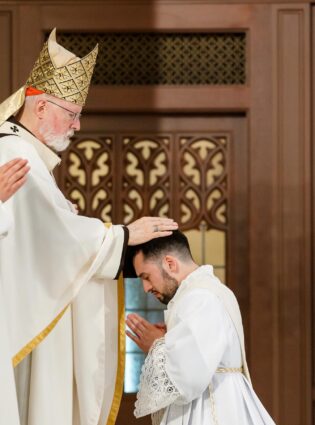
{"points": [[69, 82]]}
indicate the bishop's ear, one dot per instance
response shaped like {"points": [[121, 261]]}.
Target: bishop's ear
{"points": [[40, 108]]}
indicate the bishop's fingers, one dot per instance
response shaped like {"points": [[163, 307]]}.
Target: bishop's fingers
{"points": [[18, 174]]}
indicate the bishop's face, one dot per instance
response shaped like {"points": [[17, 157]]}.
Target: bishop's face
{"points": [[155, 278], [61, 121]]}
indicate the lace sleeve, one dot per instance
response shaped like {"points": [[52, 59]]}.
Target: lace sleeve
{"points": [[156, 389]]}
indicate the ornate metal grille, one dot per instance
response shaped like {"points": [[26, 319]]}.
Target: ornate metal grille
{"points": [[163, 58]]}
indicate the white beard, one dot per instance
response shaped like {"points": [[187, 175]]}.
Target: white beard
{"points": [[58, 142]]}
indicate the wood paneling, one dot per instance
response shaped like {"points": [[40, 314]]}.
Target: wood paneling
{"points": [[135, 17], [30, 39], [262, 274], [291, 60], [150, 3], [6, 52], [168, 99], [313, 211], [132, 17]]}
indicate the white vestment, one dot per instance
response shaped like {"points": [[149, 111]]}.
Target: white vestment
{"points": [[9, 414], [191, 373], [58, 268]]}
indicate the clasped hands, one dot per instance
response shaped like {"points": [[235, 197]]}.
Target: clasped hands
{"points": [[144, 333]]}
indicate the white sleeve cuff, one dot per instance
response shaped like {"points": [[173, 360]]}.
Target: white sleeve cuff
{"points": [[156, 389]]}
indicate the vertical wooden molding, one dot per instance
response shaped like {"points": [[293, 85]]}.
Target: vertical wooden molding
{"points": [[291, 136], [262, 273], [5, 53], [313, 212], [30, 39]]}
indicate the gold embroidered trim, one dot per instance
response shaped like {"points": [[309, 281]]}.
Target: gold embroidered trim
{"points": [[37, 340], [121, 353], [212, 406], [211, 392], [229, 370]]}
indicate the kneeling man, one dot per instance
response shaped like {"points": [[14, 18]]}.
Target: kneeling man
{"points": [[195, 372]]}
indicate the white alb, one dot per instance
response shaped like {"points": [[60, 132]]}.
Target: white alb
{"points": [[180, 384]]}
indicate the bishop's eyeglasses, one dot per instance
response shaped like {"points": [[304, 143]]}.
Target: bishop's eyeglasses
{"points": [[72, 115]]}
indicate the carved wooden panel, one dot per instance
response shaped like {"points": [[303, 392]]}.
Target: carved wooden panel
{"points": [[178, 175], [87, 179], [203, 180], [146, 176]]}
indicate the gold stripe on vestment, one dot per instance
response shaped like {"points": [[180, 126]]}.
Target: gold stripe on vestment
{"points": [[37, 340], [121, 354]]}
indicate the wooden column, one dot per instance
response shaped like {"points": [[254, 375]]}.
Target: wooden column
{"points": [[292, 195], [6, 51]]}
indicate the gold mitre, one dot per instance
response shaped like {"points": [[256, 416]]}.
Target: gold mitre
{"points": [[57, 72], [60, 73]]}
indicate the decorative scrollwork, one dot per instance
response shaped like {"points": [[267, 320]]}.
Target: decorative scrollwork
{"points": [[146, 183], [183, 176], [89, 179], [203, 181]]}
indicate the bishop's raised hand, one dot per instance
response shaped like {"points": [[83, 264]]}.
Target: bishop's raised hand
{"points": [[12, 177]]}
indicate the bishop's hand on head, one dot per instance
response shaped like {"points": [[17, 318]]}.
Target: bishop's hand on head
{"points": [[12, 177], [147, 228]]}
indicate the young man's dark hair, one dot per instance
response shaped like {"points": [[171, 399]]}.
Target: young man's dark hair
{"points": [[176, 243]]}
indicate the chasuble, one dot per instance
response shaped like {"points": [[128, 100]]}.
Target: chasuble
{"points": [[58, 271]]}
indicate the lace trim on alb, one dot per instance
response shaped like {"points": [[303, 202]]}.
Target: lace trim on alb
{"points": [[156, 389]]}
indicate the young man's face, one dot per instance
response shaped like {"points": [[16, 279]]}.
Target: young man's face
{"points": [[155, 278]]}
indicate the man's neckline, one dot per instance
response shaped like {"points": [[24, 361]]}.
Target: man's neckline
{"points": [[13, 120]]}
